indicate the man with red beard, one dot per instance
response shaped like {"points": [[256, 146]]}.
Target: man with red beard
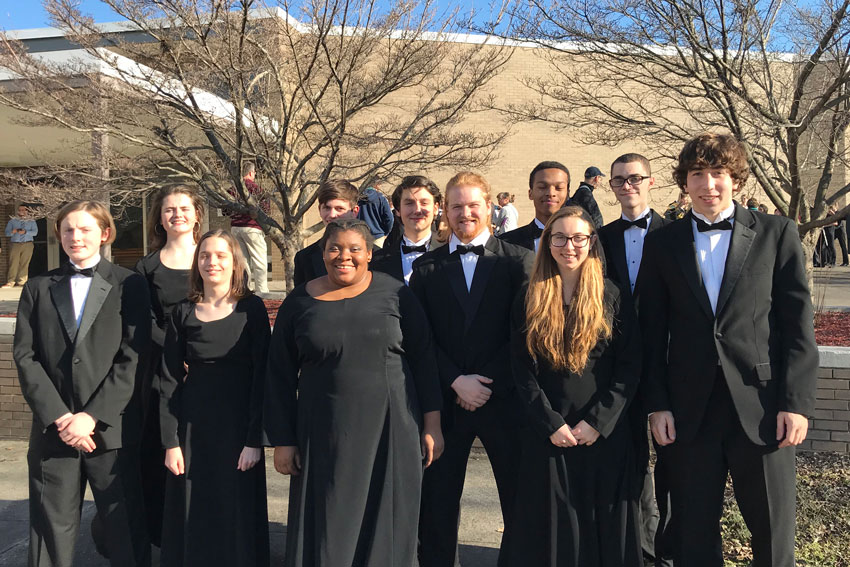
{"points": [[457, 285]]}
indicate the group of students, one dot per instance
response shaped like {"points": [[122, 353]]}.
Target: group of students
{"points": [[551, 344]]}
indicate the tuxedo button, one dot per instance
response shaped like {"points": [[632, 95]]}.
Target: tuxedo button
{"points": [[76, 361], [718, 335]]}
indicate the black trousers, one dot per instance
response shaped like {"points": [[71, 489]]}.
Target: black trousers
{"points": [[57, 482], [664, 533], [495, 424], [764, 482], [841, 236]]}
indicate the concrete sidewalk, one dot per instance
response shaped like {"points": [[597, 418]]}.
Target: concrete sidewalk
{"points": [[480, 530]]}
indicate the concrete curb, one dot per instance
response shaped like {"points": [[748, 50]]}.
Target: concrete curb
{"points": [[834, 357]]}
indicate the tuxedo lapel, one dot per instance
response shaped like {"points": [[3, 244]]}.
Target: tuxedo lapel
{"points": [[317, 261], [656, 223], [60, 293], [618, 250], [483, 268], [685, 254], [739, 249], [98, 292], [453, 269]]}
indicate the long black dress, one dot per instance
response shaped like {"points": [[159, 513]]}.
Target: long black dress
{"points": [[214, 513], [348, 382], [167, 287], [576, 505]]}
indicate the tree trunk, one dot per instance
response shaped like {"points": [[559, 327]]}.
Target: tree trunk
{"points": [[288, 242]]}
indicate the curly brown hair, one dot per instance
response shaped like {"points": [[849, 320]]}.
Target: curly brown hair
{"points": [[713, 150]]}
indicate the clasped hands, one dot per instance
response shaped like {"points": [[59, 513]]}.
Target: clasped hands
{"points": [[791, 428], [581, 434], [76, 430], [471, 391]]}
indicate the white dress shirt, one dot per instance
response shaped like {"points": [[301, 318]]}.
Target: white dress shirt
{"points": [[712, 248], [541, 226], [469, 260], [80, 286], [407, 259], [633, 239]]}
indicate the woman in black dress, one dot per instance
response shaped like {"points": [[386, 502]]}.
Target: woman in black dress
{"points": [[576, 360], [352, 408], [211, 415], [174, 226]]}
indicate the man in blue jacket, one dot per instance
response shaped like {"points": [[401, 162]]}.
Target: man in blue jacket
{"points": [[375, 211]]}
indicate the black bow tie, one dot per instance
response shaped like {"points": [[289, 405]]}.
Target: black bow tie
{"points": [[640, 223], [405, 249], [703, 226], [461, 249], [75, 271]]}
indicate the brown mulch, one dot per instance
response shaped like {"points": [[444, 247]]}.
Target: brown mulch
{"points": [[832, 328]]}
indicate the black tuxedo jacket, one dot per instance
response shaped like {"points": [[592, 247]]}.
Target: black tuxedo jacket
{"points": [[762, 334], [309, 264], [92, 369], [388, 259], [523, 236], [611, 238], [472, 328]]}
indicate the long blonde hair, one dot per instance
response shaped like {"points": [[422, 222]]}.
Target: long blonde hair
{"points": [[565, 337]]}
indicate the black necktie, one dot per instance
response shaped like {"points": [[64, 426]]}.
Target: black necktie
{"points": [[640, 223], [703, 226], [405, 249], [461, 249], [75, 271]]}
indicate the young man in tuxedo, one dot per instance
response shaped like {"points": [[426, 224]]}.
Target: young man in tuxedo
{"points": [[457, 285], [416, 199], [730, 358], [623, 241], [80, 332], [337, 200], [548, 189]]}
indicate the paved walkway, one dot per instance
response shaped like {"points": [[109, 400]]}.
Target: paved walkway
{"points": [[480, 530]]}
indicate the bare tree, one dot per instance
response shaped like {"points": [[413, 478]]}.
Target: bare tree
{"points": [[775, 74], [193, 89]]}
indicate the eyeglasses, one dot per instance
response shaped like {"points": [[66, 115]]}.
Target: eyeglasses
{"points": [[633, 180], [559, 240]]}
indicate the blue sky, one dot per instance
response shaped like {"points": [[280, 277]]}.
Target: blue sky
{"points": [[26, 14]]}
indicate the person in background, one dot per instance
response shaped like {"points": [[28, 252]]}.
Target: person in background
{"points": [[762, 208], [752, 204], [548, 190], [174, 228], [21, 231], [375, 211], [337, 200], [575, 357], [508, 216], [249, 234], [678, 208], [80, 333], [417, 199], [583, 197]]}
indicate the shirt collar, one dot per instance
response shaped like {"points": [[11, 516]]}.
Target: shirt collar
{"points": [[481, 239], [640, 216], [725, 214], [406, 241], [539, 224], [93, 261]]}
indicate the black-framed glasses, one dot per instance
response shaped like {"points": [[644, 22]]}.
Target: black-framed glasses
{"points": [[559, 240], [633, 180]]}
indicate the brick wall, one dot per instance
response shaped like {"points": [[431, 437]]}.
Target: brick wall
{"points": [[15, 416], [830, 428]]}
